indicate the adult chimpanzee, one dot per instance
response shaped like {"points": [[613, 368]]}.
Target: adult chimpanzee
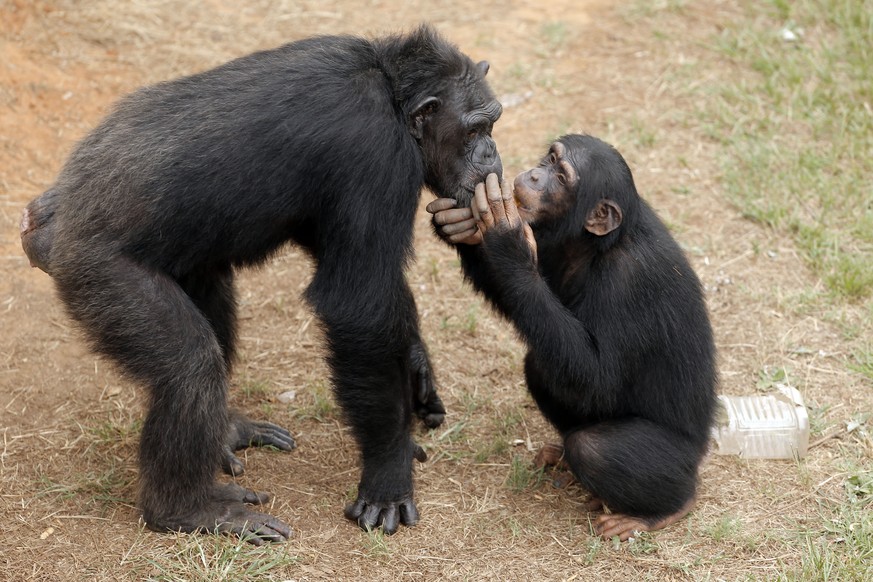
{"points": [[325, 142], [621, 358]]}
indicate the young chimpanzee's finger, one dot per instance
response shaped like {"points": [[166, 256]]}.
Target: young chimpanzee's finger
{"points": [[495, 199], [509, 204], [481, 211]]}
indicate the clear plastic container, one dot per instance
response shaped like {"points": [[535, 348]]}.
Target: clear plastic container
{"points": [[768, 426]]}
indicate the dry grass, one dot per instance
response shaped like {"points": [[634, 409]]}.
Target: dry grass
{"points": [[641, 78]]}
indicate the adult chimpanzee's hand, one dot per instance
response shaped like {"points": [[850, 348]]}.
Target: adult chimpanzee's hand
{"points": [[384, 500], [494, 209], [454, 225], [428, 406]]}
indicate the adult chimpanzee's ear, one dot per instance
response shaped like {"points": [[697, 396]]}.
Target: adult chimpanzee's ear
{"points": [[603, 218], [482, 67], [422, 111]]}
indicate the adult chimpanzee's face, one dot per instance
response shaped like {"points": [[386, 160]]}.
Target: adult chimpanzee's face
{"points": [[547, 190], [456, 137]]}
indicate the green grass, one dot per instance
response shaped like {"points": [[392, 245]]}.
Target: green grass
{"points": [[800, 131], [522, 474], [322, 406], [794, 122], [213, 558]]}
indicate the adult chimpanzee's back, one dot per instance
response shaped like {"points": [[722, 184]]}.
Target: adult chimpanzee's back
{"points": [[325, 142]]}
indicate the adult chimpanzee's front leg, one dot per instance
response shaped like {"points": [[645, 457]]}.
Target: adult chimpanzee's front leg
{"points": [[370, 342]]}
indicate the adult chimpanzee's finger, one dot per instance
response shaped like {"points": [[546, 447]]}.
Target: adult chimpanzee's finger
{"points": [[441, 204], [453, 215], [354, 510], [495, 198], [408, 513], [390, 519], [456, 227], [470, 237], [509, 204], [481, 210], [418, 453], [371, 518]]}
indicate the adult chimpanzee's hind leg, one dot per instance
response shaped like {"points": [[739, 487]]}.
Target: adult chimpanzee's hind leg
{"points": [[213, 293], [144, 321], [644, 473]]}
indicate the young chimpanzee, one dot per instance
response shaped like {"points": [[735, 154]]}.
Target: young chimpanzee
{"points": [[188, 180], [621, 357]]}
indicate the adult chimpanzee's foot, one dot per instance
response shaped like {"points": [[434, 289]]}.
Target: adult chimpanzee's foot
{"points": [[244, 432], [226, 512], [627, 526]]}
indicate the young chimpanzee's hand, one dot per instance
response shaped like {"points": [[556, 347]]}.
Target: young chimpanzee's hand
{"points": [[494, 209]]}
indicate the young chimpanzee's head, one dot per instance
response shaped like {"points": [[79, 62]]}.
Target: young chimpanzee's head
{"points": [[450, 111], [581, 188]]}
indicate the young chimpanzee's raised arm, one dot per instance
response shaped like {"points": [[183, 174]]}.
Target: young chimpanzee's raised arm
{"points": [[621, 357]]}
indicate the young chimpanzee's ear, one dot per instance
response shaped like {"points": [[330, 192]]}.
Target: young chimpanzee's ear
{"points": [[603, 218], [425, 108], [482, 67]]}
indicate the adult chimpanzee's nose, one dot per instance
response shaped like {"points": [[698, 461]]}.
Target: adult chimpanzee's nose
{"points": [[491, 161]]}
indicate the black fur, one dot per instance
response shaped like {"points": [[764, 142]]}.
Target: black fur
{"points": [[621, 357], [320, 142]]}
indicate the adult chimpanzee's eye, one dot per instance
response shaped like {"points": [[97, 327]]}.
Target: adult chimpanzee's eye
{"points": [[472, 134]]}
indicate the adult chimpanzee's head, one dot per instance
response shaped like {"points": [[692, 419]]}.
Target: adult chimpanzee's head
{"points": [[582, 187], [450, 111]]}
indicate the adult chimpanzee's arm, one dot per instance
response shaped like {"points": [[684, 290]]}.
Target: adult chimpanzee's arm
{"points": [[427, 404]]}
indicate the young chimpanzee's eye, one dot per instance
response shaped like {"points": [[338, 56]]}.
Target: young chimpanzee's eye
{"points": [[553, 159], [562, 179]]}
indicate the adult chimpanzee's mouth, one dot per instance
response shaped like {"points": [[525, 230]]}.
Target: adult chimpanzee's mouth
{"points": [[464, 196]]}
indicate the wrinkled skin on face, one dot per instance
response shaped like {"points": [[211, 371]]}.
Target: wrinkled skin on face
{"points": [[543, 193], [454, 132], [546, 191]]}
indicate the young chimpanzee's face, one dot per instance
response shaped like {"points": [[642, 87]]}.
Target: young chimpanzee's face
{"points": [[546, 191]]}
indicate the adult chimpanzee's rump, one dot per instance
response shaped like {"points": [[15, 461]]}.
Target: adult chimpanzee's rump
{"points": [[326, 143]]}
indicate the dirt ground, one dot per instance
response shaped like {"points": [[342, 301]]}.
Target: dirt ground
{"points": [[69, 423]]}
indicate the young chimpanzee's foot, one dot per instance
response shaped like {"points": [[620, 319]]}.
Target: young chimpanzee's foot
{"points": [[226, 512], [552, 455], [244, 432], [627, 526]]}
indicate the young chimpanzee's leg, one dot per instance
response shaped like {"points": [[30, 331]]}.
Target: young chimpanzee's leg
{"points": [[644, 473]]}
